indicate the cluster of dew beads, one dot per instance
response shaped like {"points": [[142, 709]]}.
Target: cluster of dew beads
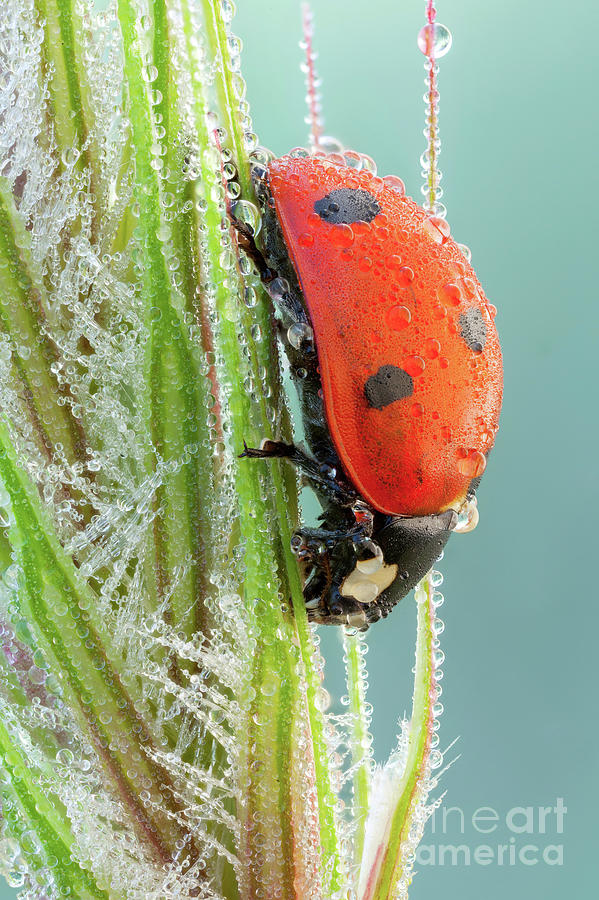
{"points": [[434, 40], [334, 153]]}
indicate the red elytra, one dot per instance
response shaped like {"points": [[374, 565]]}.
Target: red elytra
{"points": [[407, 347]]}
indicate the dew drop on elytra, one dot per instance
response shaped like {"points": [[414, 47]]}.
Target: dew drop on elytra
{"points": [[395, 183], [342, 236], [414, 366], [450, 293], [405, 276], [437, 229], [472, 465], [398, 317]]}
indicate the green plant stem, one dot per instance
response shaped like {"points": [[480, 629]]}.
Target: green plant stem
{"points": [[216, 36], [22, 319], [176, 406], [389, 864], [45, 819], [59, 609], [73, 114], [361, 762]]}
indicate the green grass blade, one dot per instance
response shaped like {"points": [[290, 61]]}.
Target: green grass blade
{"points": [[398, 809]]}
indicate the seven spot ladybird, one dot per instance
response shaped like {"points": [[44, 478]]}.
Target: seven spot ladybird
{"points": [[396, 359]]}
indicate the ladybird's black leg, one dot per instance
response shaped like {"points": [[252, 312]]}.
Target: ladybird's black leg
{"points": [[323, 477], [329, 558], [245, 239], [278, 288], [318, 544]]}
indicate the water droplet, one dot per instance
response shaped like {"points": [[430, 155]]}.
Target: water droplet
{"points": [[341, 236], [434, 40], [305, 239], [396, 184], [450, 293], [250, 141], [277, 288], [149, 74], [468, 285], [416, 410], [473, 464], [405, 276], [65, 757], [247, 212], [365, 263], [466, 251], [433, 348], [393, 261], [437, 229], [398, 317], [468, 517], [298, 334], [414, 366], [37, 676], [69, 156]]}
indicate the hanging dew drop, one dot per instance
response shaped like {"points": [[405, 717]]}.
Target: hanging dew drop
{"points": [[434, 40], [468, 517], [473, 464]]}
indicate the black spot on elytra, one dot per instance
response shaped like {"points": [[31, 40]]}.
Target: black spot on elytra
{"points": [[473, 329], [387, 385], [347, 205]]}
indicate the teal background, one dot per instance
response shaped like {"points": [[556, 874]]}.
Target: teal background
{"points": [[519, 132]]}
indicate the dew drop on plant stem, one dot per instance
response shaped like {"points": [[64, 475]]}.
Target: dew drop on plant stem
{"points": [[69, 156], [434, 39], [248, 213]]}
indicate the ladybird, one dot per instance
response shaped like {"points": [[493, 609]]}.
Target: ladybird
{"points": [[393, 349]]}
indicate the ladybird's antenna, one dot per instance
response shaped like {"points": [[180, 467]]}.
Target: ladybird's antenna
{"points": [[434, 40], [314, 116]]}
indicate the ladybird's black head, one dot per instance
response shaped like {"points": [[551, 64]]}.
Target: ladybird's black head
{"points": [[413, 545], [364, 587]]}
